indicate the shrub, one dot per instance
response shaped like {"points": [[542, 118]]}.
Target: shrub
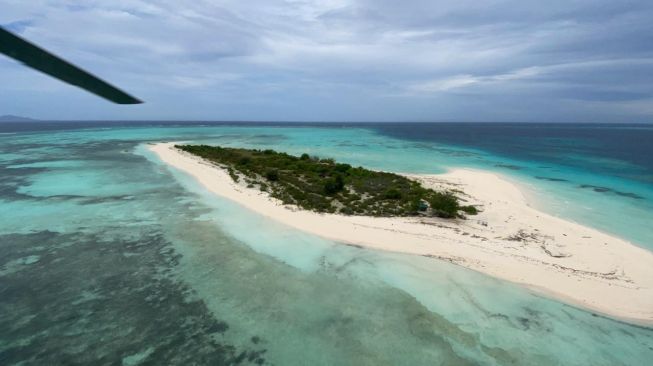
{"points": [[470, 210], [346, 210], [233, 175], [304, 156], [272, 175], [343, 168], [392, 194], [334, 185], [443, 204]]}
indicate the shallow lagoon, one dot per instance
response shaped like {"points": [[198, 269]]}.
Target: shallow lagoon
{"points": [[108, 257]]}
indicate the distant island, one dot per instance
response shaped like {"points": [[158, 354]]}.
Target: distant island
{"points": [[12, 118], [324, 185]]}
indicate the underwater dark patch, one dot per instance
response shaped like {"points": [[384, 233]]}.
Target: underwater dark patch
{"points": [[351, 144], [551, 179], [12, 179], [508, 166], [600, 189], [85, 299]]}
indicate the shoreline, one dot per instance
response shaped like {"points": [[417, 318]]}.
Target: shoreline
{"points": [[509, 239]]}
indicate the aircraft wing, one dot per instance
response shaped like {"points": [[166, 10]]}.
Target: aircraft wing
{"points": [[44, 61]]}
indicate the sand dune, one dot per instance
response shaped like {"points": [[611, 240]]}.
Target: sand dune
{"points": [[509, 239]]}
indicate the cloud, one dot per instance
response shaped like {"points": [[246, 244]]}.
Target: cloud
{"points": [[346, 59], [462, 81]]}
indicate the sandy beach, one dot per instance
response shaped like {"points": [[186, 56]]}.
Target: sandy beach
{"points": [[509, 239]]}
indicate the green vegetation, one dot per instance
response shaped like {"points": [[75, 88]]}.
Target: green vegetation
{"points": [[323, 185]]}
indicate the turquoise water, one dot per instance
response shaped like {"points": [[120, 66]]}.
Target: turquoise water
{"points": [[109, 257]]}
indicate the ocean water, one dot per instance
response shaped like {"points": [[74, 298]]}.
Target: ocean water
{"points": [[107, 256]]}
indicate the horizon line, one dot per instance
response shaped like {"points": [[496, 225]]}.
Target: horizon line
{"points": [[33, 120]]}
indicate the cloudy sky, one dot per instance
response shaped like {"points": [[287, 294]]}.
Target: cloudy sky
{"points": [[340, 60]]}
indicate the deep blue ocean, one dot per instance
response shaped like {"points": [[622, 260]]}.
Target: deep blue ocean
{"points": [[107, 257], [628, 148]]}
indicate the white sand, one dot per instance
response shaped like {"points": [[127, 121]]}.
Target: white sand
{"points": [[509, 239]]}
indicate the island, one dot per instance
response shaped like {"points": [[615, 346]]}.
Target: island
{"points": [[431, 215], [12, 118], [323, 185]]}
